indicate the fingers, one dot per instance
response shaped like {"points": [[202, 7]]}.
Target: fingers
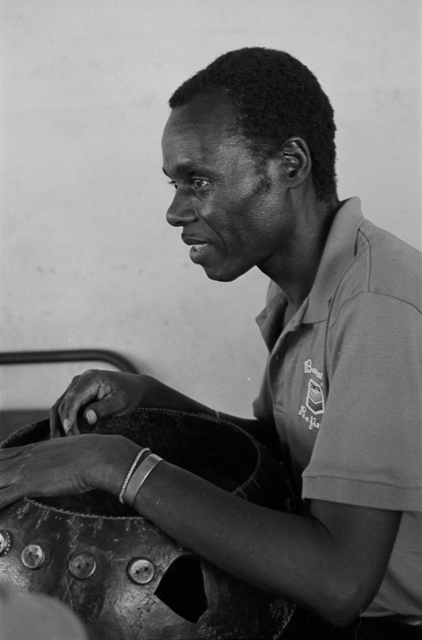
{"points": [[64, 412], [99, 394], [11, 463], [9, 453], [110, 405], [65, 466], [48, 468], [79, 392], [56, 429]]}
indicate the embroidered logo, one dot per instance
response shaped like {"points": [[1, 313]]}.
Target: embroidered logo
{"points": [[309, 368], [315, 398], [314, 402]]}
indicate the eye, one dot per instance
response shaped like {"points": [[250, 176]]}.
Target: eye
{"points": [[172, 182], [200, 183]]}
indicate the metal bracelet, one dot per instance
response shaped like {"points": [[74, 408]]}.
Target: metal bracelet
{"points": [[139, 476], [130, 472]]}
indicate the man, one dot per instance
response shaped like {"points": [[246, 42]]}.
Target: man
{"points": [[249, 147]]}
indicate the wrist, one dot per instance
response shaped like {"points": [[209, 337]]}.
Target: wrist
{"points": [[143, 464], [115, 454], [137, 461], [146, 390]]}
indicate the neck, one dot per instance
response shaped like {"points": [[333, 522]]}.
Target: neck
{"points": [[295, 268]]}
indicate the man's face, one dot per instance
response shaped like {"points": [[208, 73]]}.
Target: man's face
{"points": [[229, 208]]}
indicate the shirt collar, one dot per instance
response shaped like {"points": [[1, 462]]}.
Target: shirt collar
{"points": [[339, 251]]}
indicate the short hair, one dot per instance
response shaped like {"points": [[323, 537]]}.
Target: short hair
{"points": [[275, 97]]}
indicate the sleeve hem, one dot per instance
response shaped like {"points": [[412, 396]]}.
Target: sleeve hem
{"points": [[362, 493]]}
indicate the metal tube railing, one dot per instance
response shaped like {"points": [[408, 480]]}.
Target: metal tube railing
{"points": [[67, 355]]}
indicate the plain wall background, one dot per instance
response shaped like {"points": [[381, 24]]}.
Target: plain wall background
{"points": [[87, 258]]}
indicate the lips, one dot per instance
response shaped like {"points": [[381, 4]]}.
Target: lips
{"points": [[194, 242], [198, 247]]}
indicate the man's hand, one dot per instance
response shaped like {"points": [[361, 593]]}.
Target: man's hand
{"points": [[65, 466], [100, 394]]}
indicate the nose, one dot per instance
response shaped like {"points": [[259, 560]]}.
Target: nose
{"points": [[180, 212]]}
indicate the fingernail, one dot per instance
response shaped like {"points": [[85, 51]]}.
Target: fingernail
{"points": [[91, 417], [66, 425]]}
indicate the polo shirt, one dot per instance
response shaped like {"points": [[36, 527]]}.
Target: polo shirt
{"points": [[343, 387]]}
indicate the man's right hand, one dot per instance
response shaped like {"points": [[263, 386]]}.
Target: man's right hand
{"points": [[99, 394]]}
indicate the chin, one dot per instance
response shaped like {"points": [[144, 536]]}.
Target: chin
{"points": [[223, 276]]}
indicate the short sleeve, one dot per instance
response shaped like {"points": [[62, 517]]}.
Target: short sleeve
{"points": [[368, 451]]}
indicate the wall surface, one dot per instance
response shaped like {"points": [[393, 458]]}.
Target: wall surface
{"points": [[87, 258]]}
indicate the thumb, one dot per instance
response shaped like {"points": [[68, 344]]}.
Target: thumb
{"points": [[104, 408]]}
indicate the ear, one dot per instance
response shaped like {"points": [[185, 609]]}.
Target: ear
{"points": [[296, 161]]}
